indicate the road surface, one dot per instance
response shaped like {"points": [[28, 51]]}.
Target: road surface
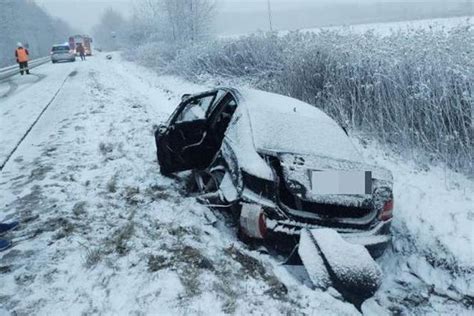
{"points": [[104, 233], [100, 225]]}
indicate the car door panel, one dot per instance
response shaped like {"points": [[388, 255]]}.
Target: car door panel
{"points": [[187, 142], [179, 146]]}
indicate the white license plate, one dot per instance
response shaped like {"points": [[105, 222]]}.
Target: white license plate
{"points": [[341, 182]]}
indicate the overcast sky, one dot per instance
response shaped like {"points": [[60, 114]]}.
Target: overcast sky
{"points": [[84, 14]]}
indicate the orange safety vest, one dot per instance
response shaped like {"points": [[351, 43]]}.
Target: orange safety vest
{"points": [[22, 55]]}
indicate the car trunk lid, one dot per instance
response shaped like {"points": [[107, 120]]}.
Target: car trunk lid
{"points": [[301, 200]]}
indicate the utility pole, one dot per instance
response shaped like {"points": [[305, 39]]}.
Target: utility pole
{"points": [[270, 15]]}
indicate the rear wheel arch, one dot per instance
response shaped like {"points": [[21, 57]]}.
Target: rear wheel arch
{"points": [[209, 180]]}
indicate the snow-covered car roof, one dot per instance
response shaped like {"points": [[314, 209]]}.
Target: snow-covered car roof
{"points": [[61, 45], [286, 125]]}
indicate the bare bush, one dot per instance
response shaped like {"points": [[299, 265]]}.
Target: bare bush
{"points": [[109, 32], [171, 21], [411, 90]]}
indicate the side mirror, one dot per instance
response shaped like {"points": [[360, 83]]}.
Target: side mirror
{"points": [[184, 97]]}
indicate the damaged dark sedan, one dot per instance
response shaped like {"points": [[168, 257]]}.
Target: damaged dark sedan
{"points": [[279, 164]]}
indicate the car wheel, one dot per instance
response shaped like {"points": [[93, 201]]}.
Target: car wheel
{"points": [[206, 185], [208, 181]]}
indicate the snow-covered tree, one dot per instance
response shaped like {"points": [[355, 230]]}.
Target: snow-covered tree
{"points": [[24, 21], [176, 21], [188, 20], [109, 33]]}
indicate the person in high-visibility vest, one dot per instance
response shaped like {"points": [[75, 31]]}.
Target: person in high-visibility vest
{"points": [[22, 57]]}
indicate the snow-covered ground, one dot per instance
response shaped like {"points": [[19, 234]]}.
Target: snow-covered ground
{"points": [[104, 233], [22, 100], [430, 266]]}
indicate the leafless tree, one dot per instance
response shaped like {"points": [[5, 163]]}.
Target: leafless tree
{"points": [[176, 20], [24, 21], [109, 33]]}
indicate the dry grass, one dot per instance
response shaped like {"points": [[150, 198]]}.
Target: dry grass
{"points": [[254, 268], [410, 90]]}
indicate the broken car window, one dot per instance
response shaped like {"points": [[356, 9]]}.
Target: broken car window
{"points": [[195, 109]]}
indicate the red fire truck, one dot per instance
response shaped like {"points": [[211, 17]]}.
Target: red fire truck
{"points": [[82, 39]]}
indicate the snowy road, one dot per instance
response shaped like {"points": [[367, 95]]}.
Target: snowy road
{"points": [[23, 98], [104, 233]]}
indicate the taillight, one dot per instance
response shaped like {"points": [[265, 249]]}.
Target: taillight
{"points": [[252, 221], [387, 211]]}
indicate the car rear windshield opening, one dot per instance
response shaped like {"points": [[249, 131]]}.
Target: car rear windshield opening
{"points": [[60, 48]]}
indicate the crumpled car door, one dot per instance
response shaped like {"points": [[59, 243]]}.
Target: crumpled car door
{"points": [[185, 143]]}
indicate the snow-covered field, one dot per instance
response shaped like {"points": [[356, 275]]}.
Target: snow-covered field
{"points": [[104, 233], [387, 28]]}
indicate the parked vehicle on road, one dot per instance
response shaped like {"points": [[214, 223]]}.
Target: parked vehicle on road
{"points": [[279, 164], [62, 52]]}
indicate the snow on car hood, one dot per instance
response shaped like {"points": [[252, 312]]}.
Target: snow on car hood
{"points": [[282, 124]]}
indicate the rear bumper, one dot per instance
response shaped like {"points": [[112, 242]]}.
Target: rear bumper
{"points": [[63, 58], [375, 239]]}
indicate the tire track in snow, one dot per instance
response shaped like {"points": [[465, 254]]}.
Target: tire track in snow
{"points": [[11, 89], [14, 85], [73, 73]]}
